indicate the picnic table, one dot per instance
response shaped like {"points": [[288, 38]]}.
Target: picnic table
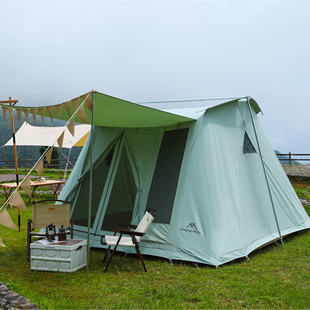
{"points": [[54, 184]]}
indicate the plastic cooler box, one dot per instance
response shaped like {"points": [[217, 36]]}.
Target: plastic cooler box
{"points": [[67, 256]]}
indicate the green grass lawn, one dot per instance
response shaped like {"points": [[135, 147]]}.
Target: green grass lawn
{"points": [[275, 278]]}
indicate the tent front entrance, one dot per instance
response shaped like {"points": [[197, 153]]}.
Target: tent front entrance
{"points": [[112, 174], [121, 187]]}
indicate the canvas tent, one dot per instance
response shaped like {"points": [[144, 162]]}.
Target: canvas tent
{"points": [[209, 171], [217, 186]]}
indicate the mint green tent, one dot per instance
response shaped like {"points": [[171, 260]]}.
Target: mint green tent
{"points": [[217, 186]]}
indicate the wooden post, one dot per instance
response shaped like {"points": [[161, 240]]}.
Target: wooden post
{"points": [[16, 160], [290, 158], [10, 102], [14, 145]]}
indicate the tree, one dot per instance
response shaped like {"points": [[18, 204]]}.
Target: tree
{"points": [[55, 156]]}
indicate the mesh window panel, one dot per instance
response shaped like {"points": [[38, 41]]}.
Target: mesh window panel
{"points": [[248, 147], [166, 174]]}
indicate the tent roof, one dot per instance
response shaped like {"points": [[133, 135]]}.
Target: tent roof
{"points": [[46, 136], [113, 112], [195, 108]]}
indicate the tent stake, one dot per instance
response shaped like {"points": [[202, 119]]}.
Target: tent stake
{"points": [[261, 157]]}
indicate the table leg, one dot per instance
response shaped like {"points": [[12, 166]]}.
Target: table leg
{"points": [[32, 194], [7, 194], [55, 191]]}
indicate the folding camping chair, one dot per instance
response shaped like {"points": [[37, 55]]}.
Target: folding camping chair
{"points": [[133, 240], [44, 214]]}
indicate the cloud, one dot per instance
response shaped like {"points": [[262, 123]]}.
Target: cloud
{"points": [[161, 50]]}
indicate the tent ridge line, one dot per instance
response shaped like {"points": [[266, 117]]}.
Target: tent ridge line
{"points": [[191, 100]]}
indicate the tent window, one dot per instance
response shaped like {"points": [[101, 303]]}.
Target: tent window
{"points": [[166, 174], [248, 147]]}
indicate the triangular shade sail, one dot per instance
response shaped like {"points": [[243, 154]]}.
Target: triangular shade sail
{"points": [[82, 141], [46, 136]]}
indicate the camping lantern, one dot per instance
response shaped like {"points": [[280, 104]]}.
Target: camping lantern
{"points": [[50, 232], [62, 234]]}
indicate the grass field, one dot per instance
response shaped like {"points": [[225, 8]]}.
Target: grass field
{"points": [[274, 278]]}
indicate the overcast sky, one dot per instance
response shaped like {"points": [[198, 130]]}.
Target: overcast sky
{"points": [[53, 51]]}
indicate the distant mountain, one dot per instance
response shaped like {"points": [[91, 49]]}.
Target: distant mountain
{"points": [[285, 159]]}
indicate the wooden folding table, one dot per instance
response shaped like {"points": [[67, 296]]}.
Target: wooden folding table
{"points": [[54, 184]]}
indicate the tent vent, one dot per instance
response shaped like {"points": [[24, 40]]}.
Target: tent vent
{"points": [[248, 147]]}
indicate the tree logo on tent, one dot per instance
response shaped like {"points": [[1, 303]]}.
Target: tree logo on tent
{"points": [[191, 227]]}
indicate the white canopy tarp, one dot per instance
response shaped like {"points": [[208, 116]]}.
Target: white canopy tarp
{"points": [[47, 136]]}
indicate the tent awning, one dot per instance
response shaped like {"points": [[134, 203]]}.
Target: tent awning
{"points": [[46, 136], [114, 112]]}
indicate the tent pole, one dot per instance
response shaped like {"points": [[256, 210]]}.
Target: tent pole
{"points": [[261, 157], [67, 164], [90, 183], [15, 158]]}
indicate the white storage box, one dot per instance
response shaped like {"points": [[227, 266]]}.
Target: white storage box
{"points": [[67, 256]]}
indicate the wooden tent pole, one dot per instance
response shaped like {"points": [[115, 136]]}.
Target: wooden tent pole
{"points": [[10, 102], [15, 157]]}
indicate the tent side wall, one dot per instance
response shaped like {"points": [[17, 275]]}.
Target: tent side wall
{"points": [[222, 210], [289, 210]]}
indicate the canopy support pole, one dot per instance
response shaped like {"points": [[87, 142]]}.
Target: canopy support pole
{"points": [[67, 164], [265, 173], [90, 183], [10, 101]]}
